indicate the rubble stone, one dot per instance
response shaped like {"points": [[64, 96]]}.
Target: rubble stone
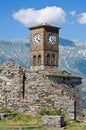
{"points": [[27, 91]]}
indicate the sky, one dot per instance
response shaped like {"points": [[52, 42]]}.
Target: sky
{"points": [[16, 16]]}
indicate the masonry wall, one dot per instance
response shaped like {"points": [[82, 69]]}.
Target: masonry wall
{"points": [[26, 91], [71, 85]]}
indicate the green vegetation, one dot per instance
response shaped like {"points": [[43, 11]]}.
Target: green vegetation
{"points": [[66, 72], [58, 112], [6, 110], [22, 129], [27, 120], [21, 120], [75, 125]]}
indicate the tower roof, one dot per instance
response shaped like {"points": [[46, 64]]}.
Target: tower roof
{"points": [[44, 25]]}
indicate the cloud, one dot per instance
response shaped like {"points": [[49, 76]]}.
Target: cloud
{"points": [[82, 18], [72, 13], [30, 16]]}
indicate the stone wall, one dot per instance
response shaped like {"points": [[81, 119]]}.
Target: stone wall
{"points": [[28, 91], [53, 121], [71, 85]]}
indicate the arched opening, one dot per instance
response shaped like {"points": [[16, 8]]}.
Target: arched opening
{"points": [[39, 60], [53, 60], [48, 59], [34, 60]]}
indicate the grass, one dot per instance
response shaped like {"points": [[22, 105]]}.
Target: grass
{"points": [[79, 124], [76, 126], [21, 120], [22, 129], [27, 120]]}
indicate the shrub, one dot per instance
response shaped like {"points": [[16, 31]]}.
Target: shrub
{"points": [[59, 111], [44, 112], [66, 72], [6, 110], [51, 112]]}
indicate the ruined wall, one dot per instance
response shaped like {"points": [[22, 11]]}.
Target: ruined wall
{"points": [[26, 91], [71, 85]]}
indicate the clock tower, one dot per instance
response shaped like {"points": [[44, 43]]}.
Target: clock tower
{"points": [[44, 47]]}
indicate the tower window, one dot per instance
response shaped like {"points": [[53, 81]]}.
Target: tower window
{"points": [[39, 60], [53, 60], [34, 60], [48, 59]]}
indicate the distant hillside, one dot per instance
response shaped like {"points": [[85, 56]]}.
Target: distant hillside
{"points": [[15, 51], [72, 56]]}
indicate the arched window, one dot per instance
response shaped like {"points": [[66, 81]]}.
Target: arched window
{"points": [[34, 60], [53, 60], [39, 60], [48, 59]]}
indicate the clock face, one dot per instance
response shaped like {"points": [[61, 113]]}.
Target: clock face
{"points": [[37, 38], [51, 38]]}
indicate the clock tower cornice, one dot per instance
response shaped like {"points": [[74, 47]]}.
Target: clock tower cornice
{"points": [[45, 25]]}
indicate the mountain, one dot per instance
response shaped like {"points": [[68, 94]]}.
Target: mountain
{"points": [[15, 51], [72, 55], [73, 58]]}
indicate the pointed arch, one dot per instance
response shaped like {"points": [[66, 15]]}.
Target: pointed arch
{"points": [[53, 59], [48, 59], [34, 60], [39, 59]]}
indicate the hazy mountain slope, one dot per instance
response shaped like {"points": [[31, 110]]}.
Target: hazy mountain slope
{"points": [[16, 51], [73, 59]]}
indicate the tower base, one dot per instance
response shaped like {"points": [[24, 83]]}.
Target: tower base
{"points": [[42, 67]]}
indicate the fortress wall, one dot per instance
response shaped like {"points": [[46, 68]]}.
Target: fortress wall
{"points": [[26, 91]]}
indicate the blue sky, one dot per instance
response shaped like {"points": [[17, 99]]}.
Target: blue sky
{"points": [[17, 15]]}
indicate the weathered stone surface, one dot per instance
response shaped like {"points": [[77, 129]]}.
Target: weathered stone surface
{"points": [[28, 91], [52, 121]]}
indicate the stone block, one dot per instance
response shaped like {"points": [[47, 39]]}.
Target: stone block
{"points": [[52, 121]]}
